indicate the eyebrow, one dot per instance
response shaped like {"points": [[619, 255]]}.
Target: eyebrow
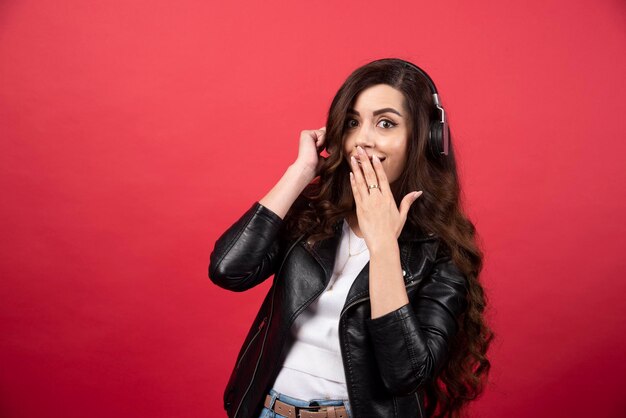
{"points": [[377, 112]]}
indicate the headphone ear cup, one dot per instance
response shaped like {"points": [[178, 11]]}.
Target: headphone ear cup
{"points": [[435, 138], [445, 138], [439, 138]]}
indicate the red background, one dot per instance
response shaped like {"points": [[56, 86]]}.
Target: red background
{"points": [[135, 132]]}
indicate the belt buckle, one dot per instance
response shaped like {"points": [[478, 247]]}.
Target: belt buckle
{"points": [[310, 408], [323, 411], [286, 409]]}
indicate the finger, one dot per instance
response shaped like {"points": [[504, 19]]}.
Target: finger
{"points": [[359, 180], [366, 166], [406, 203], [383, 183], [355, 190], [319, 135]]}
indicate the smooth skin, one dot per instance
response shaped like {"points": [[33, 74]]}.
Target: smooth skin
{"points": [[377, 218]]}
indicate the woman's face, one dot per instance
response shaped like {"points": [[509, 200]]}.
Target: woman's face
{"points": [[378, 122]]}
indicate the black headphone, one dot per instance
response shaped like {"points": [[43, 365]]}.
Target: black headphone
{"points": [[439, 135]]}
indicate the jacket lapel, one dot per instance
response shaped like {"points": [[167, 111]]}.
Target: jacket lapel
{"points": [[325, 252]]}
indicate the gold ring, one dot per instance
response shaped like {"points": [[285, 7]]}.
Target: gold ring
{"points": [[373, 186]]}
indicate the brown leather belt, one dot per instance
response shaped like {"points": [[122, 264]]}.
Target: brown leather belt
{"points": [[292, 411]]}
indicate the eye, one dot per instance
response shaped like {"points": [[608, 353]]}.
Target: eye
{"points": [[351, 123], [387, 123]]}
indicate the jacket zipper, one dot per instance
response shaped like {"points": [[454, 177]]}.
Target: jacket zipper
{"points": [[419, 405], [256, 367], [252, 340]]}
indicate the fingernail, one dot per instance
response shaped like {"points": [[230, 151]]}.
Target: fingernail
{"points": [[353, 159], [359, 149], [417, 194], [375, 158]]}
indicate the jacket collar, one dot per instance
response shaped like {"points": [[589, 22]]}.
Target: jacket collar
{"points": [[325, 251]]}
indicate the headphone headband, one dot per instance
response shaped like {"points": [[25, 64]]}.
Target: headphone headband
{"points": [[439, 135]]}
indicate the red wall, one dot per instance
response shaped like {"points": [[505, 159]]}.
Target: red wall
{"points": [[134, 132]]}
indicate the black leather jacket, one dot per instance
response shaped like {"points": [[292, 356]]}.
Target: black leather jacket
{"points": [[386, 360]]}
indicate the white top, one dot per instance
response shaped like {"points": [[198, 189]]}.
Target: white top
{"points": [[313, 368]]}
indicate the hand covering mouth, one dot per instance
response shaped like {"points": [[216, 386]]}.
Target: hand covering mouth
{"points": [[370, 158]]}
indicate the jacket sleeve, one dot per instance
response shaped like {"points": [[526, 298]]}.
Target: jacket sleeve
{"points": [[411, 342], [247, 253]]}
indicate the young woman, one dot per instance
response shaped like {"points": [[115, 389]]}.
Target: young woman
{"points": [[376, 309]]}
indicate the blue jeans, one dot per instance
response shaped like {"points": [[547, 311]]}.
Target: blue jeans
{"points": [[266, 413]]}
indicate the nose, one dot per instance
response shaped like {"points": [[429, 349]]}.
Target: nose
{"points": [[365, 137]]}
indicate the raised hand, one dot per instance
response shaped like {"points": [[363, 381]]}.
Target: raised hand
{"points": [[311, 143]]}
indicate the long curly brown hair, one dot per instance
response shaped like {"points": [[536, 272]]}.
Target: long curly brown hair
{"points": [[329, 198]]}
